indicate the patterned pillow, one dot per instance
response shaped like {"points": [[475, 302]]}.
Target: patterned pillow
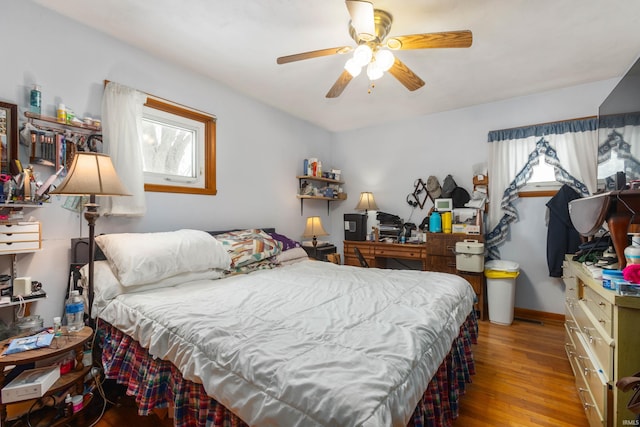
{"points": [[287, 243], [248, 246]]}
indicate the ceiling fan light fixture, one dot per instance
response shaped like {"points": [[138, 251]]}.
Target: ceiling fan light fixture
{"points": [[384, 59], [394, 44], [362, 55], [374, 72], [362, 19], [353, 68]]}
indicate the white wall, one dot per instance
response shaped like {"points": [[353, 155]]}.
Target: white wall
{"points": [[388, 159], [259, 149]]}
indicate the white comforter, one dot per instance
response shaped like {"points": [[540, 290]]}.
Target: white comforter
{"points": [[308, 344]]}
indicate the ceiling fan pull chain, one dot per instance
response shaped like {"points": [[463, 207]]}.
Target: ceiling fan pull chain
{"points": [[371, 87]]}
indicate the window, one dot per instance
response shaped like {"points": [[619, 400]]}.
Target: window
{"points": [[542, 183], [178, 148]]}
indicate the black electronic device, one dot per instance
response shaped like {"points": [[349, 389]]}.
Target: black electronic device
{"points": [[621, 180], [355, 227]]}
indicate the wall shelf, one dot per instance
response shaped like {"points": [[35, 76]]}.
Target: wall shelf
{"points": [[64, 125], [318, 179]]}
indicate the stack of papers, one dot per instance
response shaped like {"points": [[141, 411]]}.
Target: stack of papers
{"points": [[31, 342]]}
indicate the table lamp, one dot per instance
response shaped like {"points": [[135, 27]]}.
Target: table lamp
{"points": [[91, 174], [314, 229], [366, 202]]}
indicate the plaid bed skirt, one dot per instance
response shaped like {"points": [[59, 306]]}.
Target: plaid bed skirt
{"points": [[158, 383]]}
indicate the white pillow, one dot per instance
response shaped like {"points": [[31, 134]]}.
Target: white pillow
{"points": [[291, 255], [140, 258], [106, 285]]}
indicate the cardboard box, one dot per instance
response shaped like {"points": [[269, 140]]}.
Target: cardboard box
{"points": [[30, 384], [465, 228]]}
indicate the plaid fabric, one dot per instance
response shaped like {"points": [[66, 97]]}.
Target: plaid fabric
{"points": [[158, 383], [439, 404]]}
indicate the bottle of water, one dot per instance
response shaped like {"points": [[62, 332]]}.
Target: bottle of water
{"points": [[74, 312], [35, 100]]}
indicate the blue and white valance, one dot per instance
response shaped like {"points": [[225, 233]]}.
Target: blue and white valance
{"points": [[569, 146]]}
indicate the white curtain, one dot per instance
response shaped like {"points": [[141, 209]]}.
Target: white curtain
{"points": [[619, 149], [122, 130], [570, 147]]}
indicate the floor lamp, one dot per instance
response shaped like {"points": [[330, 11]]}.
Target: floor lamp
{"points": [[91, 174], [314, 228]]}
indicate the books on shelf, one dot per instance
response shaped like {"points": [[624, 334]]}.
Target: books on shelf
{"points": [[30, 384]]}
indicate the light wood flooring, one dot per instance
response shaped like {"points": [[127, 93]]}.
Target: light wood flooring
{"points": [[522, 378]]}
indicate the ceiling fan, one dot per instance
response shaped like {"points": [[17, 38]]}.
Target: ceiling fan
{"points": [[369, 28]]}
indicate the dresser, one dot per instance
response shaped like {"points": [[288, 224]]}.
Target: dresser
{"points": [[436, 254], [602, 343], [441, 256]]}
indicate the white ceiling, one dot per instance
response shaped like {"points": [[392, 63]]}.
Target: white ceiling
{"points": [[519, 47]]}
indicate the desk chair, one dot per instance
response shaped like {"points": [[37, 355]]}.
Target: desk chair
{"points": [[363, 262]]}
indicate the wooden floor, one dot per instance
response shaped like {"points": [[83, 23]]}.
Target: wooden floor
{"points": [[522, 378]]}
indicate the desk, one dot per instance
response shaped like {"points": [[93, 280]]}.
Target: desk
{"points": [[436, 254]]}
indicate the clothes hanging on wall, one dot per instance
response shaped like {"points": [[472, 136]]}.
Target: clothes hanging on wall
{"points": [[562, 237]]}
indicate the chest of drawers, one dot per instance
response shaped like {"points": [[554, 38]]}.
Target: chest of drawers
{"points": [[441, 256], [602, 344], [21, 237]]}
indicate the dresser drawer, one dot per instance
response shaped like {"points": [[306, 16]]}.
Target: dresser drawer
{"points": [[476, 281], [594, 416], [599, 343], [19, 237], [601, 309], [399, 251], [444, 264], [32, 227], [19, 246], [365, 249], [436, 245], [442, 244], [592, 374], [570, 348]]}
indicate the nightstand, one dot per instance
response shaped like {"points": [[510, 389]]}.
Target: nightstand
{"points": [[75, 378], [320, 252]]}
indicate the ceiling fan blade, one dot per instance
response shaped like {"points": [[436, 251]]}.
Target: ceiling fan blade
{"points": [[339, 85], [405, 76], [446, 39], [361, 13], [313, 54]]}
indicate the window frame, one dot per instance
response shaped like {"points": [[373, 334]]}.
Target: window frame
{"points": [[209, 171], [545, 188]]}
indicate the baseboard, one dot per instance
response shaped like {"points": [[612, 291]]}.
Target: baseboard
{"points": [[538, 316]]}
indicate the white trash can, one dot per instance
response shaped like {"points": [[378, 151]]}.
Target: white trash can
{"points": [[501, 289]]}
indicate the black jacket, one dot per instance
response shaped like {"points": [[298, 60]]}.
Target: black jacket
{"points": [[562, 237]]}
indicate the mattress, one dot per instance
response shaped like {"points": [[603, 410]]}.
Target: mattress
{"points": [[308, 344]]}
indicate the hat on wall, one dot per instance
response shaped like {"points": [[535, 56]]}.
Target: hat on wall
{"points": [[460, 197], [433, 187], [448, 185]]}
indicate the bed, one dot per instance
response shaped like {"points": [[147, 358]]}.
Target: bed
{"points": [[236, 330]]}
